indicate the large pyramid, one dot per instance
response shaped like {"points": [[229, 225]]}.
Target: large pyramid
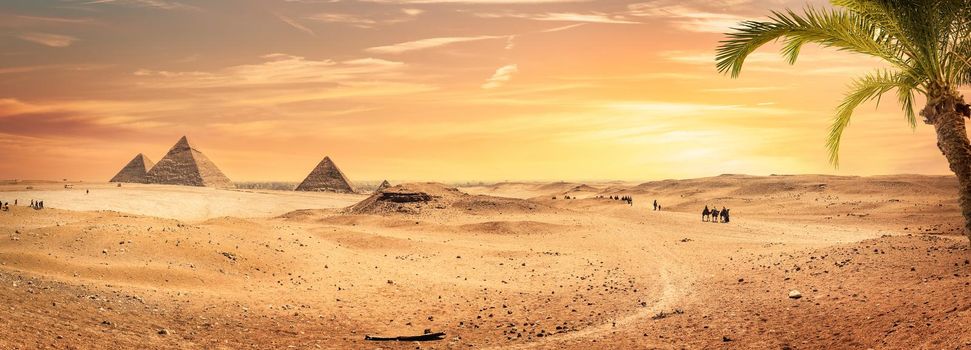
{"points": [[185, 165], [326, 177], [135, 172]]}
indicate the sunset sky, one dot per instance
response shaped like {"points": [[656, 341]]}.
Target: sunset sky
{"points": [[439, 90]]}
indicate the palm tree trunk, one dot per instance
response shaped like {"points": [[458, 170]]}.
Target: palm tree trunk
{"points": [[952, 140]]}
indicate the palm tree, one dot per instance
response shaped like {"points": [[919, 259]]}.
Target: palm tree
{"points": [[927, 49]]}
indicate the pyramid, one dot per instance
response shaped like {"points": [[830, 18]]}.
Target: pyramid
{"points": [[185, 165], [384, 184], [135, 172], [326, 177]]}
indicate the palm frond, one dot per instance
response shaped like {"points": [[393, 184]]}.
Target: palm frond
{"points": [[839, 29], [926, 43], [867, 88]]}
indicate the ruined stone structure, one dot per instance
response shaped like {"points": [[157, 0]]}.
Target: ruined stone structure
{"points": [[326, 177], [185, 165], [136, 171]]}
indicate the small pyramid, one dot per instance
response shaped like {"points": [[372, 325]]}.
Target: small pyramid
{"points": [[326, 176], [185, 165], [384, 184], [135, 172]]}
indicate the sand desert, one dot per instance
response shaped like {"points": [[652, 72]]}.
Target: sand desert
{"points": [[520, 174], [879, 262]]}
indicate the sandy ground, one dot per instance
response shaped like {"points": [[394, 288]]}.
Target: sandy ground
{"points": [[879, 263], [174, 202]]}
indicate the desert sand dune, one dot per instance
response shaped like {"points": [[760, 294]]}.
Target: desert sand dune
{"points": [[877, 261]]}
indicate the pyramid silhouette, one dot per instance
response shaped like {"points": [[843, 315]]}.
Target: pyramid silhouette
{"points": [[135, 172], [384, 184], [185, 165], [326, 176]]}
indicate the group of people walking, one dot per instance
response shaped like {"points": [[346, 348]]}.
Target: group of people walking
{"points": [[714, 215], [628, 199], [34, 204], [5, 206]]}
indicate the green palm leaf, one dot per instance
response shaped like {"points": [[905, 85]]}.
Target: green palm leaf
{"points": [[926, 44]]}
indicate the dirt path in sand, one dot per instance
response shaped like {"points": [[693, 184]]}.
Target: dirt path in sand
{"points": [[544, 273]]}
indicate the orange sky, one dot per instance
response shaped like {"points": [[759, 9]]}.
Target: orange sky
{"points": [[441, 90]]}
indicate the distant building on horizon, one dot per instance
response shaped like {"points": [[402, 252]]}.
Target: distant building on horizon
{"points": [[183, 165], [136, 171], [326, 177]]}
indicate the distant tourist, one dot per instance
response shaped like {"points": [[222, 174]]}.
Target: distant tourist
{"points": [[704, 214], [655, 205], [724, 215]]}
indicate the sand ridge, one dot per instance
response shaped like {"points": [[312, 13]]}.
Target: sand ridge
{"points": [[876, 259]]}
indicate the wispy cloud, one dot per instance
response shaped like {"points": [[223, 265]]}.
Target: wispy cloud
{"points": [[277, 69], [291, 22], [24, 21], [592, 17], [63, 67], [65, 119], [747, 89], [559, 29], [283, 79], [504, 2], [355, 20], [686, 17], [412, 11], [370, 20], [424, 44], [47, 39], [502, 76], [157, 4], [817, 62]]}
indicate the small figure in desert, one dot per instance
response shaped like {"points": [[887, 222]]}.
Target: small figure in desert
{"points": [[724, 215], [704, 214], [655, 205], [714, 215]]}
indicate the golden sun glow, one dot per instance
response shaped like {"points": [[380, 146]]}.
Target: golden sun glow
{"points": [[426, 90]]}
